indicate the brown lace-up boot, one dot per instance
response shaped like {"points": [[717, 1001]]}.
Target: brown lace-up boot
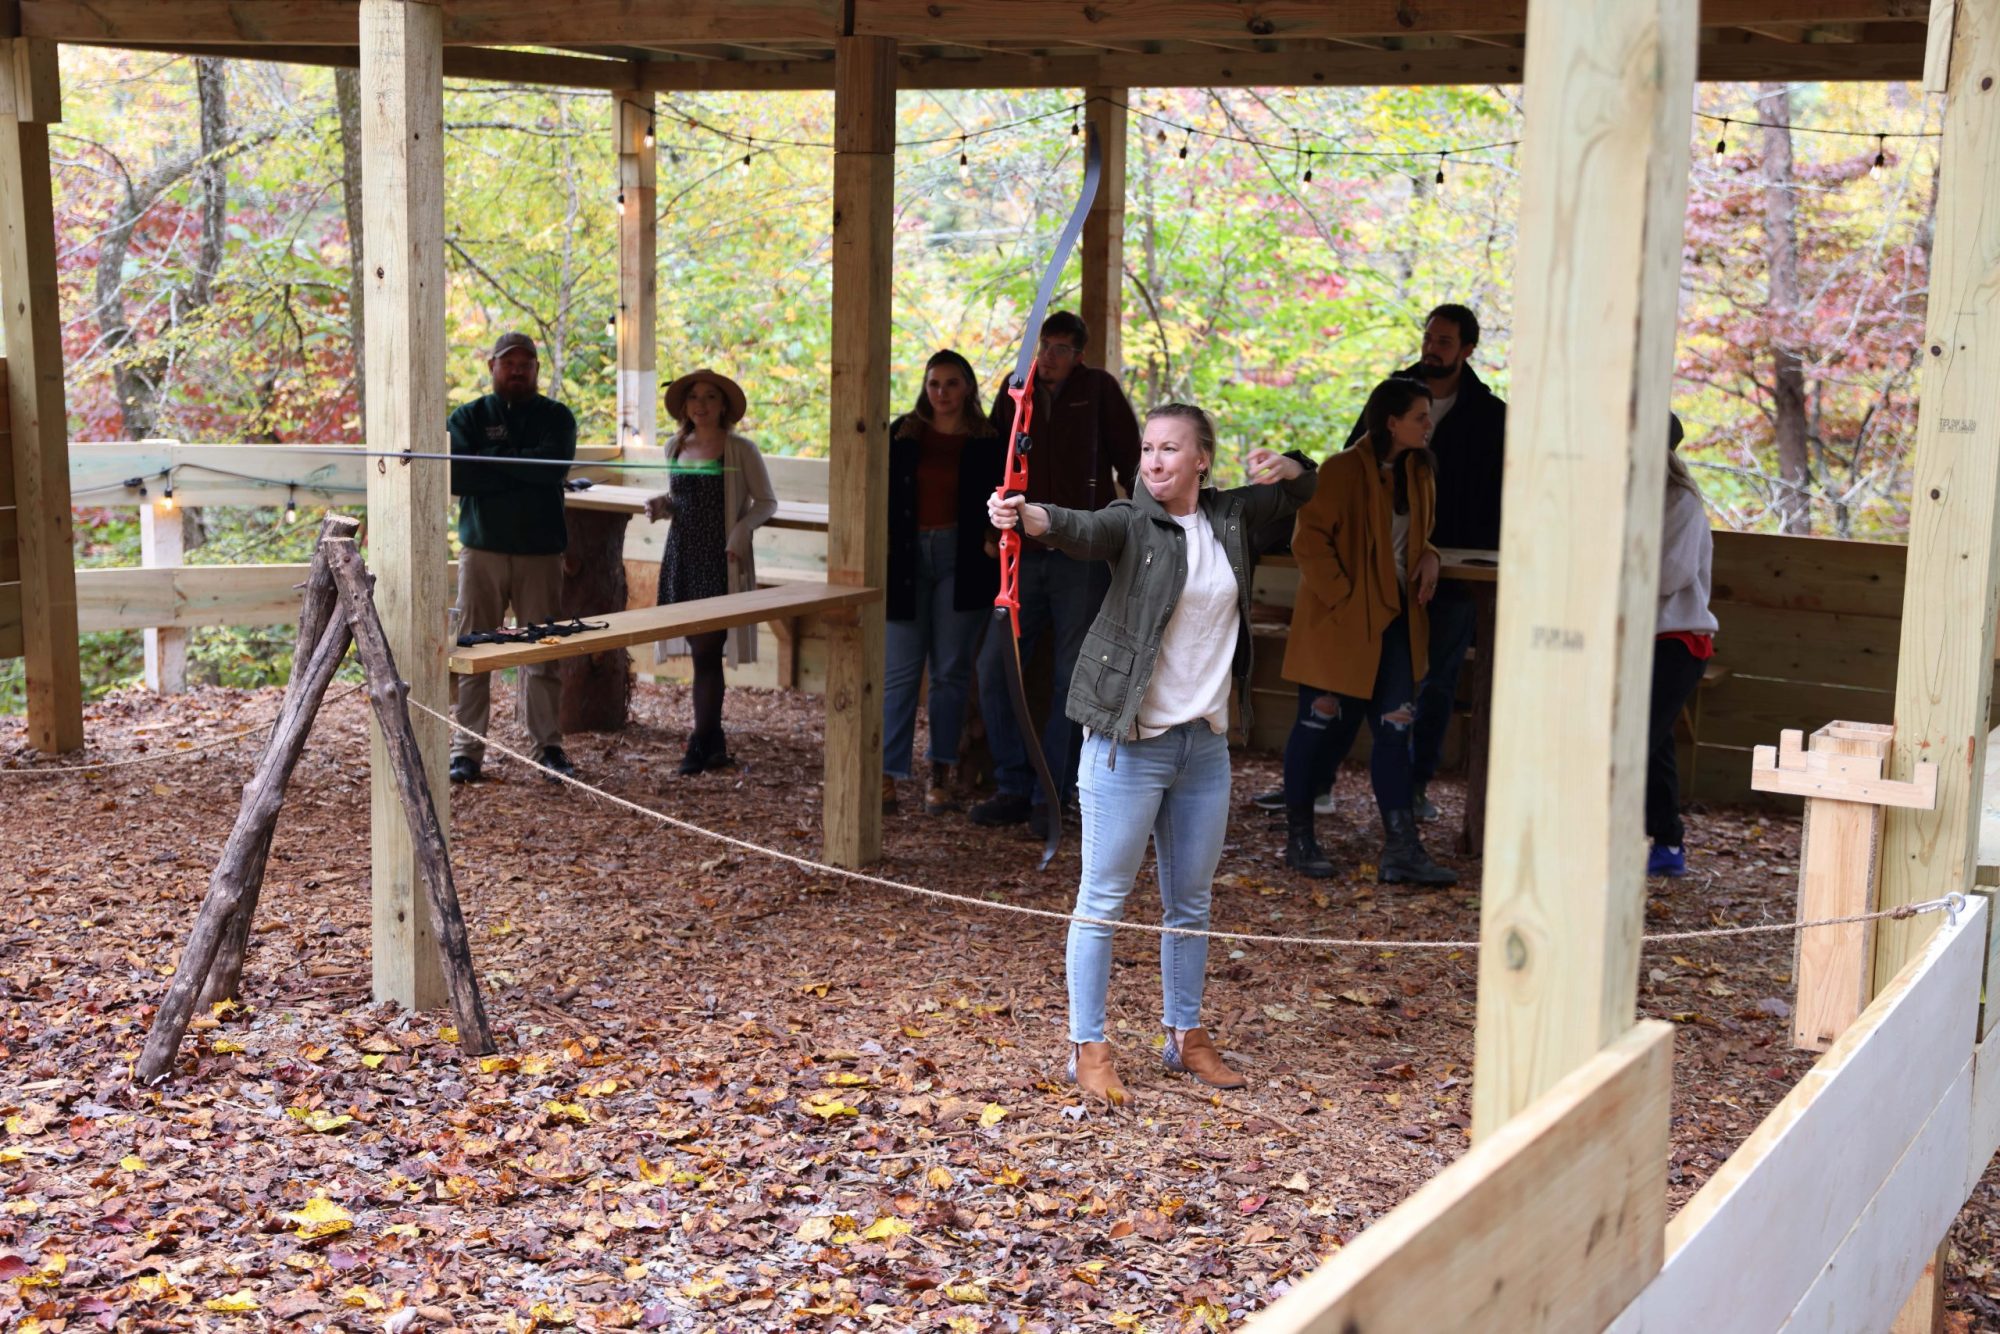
{"points": [[1090, 1070], [1196, 1054], [938, 797]]}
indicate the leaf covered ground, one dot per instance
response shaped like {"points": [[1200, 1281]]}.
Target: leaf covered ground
{"points": [[734, 1095]]}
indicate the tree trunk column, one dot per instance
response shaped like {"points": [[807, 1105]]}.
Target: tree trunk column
{"points": [[857, 552], [1104, 234], [1610, 87], [597, 687], [638, 262], [30, 99], [402, 134]]}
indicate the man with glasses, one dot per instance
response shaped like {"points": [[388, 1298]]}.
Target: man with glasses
{"points": [[512, 535], [1085, 440]]}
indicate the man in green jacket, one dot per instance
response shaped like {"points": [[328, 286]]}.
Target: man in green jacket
{"points": [[510, 526]]}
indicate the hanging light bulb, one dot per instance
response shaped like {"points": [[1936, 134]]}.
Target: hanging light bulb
{"points": [[1184, 144], [1722, 141], [964, 162], [621, 203], [1881, 154], [745, 163], [611, 326], [291, 504], [652, 135], [167, 499], [1308, 177], [1440, 175]]}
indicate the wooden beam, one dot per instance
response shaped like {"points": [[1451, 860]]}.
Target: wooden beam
{"points": [[37, 419], [1104, 233], [1745, 1253], [1944, 676], [402, 186], [864, 174], [638, 264], [165, 647], [1603, 192], [1551, 1223], [485, 64]]}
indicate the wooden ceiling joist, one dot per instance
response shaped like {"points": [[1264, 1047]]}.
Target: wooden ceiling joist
{"points": [[302, 23]]}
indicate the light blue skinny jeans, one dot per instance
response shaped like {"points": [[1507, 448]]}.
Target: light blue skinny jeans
{"points": [[1174, 789], [945, 638]]}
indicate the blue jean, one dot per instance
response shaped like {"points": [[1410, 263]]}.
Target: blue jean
{"points": [[1452, 619], [1173, 788], [1328, 723], [941, 636], [1061, 594]]}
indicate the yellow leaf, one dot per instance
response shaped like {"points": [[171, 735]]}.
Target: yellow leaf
{"points": [[1009, 1176], [912, 1031], [702, 1287], [550, 1315], [992, 1115], [884, 1228], [224, 1047], [12, 1154], [845, 1079], [815, 1230], [132, 1162], [373, 1062], [361, 1299], [314, 1119], [567, 1111], [313, 1052], [447, 1033], [970, 1294], [536, 1065], [162, 790], [240, 1300], [319, 1218], [54, 1265], [224, 1007], [939, 1177], [814, 989], [410, 1230], [826, 1107], [654, 1175], [603, 1088], [963, 1324], [1125, 1320], [498, 1065]]}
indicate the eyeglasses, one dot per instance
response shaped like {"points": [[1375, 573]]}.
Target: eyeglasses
{"points": [[1056, 351]]}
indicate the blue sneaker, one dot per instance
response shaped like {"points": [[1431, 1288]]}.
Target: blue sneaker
{"points": [[1670, 862]]}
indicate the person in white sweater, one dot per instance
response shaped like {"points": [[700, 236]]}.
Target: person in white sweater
{"points": [[1684, 641]]}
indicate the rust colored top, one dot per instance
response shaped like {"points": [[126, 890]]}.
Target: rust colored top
{"points": [[937, 479]]}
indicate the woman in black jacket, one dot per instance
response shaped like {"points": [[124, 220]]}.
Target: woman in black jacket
{"points": [[944, 460]]}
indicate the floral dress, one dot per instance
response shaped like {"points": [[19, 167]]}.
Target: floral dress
{"points": [[695, 563]]}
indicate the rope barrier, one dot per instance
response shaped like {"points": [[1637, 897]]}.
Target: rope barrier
{"points": [[1950, 903], [35, 771]]}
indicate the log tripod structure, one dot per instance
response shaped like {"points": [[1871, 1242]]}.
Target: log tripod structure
{"points": [[339, 611]]}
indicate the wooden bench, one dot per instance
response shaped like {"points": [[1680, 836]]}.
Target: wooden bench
{"points": [[648, 625]]}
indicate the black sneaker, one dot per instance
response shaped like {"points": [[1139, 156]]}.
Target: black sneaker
{"points": [[464, 769], [998, 811], [557, 763]]}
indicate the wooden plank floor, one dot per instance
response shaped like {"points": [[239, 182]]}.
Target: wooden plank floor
{"points": [[649, 624]]}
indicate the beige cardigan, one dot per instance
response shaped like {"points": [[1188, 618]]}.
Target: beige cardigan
{"points": [[749, 502]]}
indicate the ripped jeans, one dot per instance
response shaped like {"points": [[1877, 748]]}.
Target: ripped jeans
{"points": [[1328, 723]]}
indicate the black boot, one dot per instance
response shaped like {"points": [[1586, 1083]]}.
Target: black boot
{"points": [[1302, 852], [1404, 861]]}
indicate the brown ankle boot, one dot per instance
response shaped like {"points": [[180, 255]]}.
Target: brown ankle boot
{"points": [[937, 796], [1090, 1070], [1196, 1054], [888, 794]]}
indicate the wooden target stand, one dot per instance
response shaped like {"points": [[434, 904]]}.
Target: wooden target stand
{"points": [[339, 610], [1839, 773]]}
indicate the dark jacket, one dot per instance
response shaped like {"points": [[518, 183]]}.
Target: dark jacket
{"points": [[1084, 437], [1468, 445], [980, 463], [515, 508], [1148, 551]]}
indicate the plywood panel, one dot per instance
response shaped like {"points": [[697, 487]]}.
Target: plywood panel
{"points": [[1808, 574]]}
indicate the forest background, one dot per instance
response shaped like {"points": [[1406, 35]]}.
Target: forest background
{"points": [[1282, 247]]}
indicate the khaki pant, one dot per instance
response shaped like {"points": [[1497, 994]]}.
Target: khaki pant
{"points": [[488, 583]]}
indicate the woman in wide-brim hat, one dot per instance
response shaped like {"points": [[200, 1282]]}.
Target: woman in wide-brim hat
{"points": [[718, 495]]}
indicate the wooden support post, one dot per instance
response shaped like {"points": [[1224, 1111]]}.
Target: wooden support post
{"points": [[320, 605], [402, 188], [864, 176], [239, 871], [30, 98], [1944, 675], [166, 646], [1608, 92], [1839, 862], [638, 264], [1104, 234], [390, 695]]}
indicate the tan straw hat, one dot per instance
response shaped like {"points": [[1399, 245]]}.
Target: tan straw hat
{"points": [[677, 392]]}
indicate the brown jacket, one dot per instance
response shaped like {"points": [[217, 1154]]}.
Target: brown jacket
{"points": [[1347, 573]]}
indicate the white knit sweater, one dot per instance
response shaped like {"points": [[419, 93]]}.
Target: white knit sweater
{"points": [[1687, 549]]}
